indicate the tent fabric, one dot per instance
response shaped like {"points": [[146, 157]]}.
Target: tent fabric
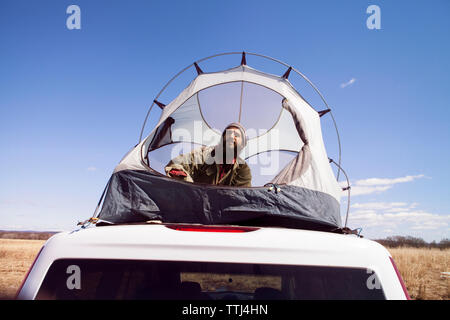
{"points": [[184, 108], [163, 135], [309, 196], [139, 196], [301, 163], [295, 168]]}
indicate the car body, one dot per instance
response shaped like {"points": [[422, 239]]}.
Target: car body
{"points": [[332, 266]]}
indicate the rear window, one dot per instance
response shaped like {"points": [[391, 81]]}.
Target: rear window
{"points": [[180, 280]]}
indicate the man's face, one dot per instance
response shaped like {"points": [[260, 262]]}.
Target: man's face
{"points": [[233, 138]]}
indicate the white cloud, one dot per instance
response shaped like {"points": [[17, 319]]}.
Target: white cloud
{"points": [[382, 219], [380, 205], [92, 169], [431, 225], [378, 181], [348, 83], [360, 190], [376, 185]]}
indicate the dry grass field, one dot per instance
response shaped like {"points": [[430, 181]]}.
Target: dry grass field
{"points": [[16, 257], [421, 271], [420, 268]]}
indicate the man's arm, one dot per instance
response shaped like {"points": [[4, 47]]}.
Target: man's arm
{"points": [[243, 177], [183, 167]]}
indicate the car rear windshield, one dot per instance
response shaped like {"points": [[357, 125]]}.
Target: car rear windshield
{"points": [[181, 280]]}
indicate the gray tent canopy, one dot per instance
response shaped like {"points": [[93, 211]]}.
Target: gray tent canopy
{"points": [[304, 193]]}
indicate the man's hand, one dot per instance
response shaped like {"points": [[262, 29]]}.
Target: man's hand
{"points": [[285, 103], [177, 173]]}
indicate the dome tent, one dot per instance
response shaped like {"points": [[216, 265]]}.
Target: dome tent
{"points": [[304, 194]]}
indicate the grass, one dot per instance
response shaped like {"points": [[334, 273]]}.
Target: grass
{"points": [[420, 268], [16, 257], [421, 271]]}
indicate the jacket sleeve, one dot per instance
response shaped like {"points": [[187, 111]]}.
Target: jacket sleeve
{"points": [[185, 163], [243, 177], [188, 163]]}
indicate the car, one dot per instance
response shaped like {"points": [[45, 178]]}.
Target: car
{"points": [[179, 261]]}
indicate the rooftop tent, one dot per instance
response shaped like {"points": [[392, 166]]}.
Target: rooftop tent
{"points": [[303, 193]]}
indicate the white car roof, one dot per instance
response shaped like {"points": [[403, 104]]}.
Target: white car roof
{"points": [[263, 245]]}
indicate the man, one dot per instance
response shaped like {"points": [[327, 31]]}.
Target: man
{"points": [[219, 165]]}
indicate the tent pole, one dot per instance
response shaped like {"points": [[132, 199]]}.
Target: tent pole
{"points": [[344, 189], [240, 106]]}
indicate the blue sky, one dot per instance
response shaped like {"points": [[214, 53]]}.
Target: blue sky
{"points": [[72, 102]]}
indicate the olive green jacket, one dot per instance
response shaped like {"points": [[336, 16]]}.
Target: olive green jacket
{"points": [[200, 167]]}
